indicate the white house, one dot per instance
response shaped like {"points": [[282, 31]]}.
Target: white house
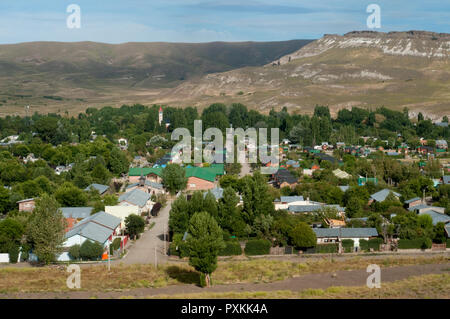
{"points": [[122, 212]]}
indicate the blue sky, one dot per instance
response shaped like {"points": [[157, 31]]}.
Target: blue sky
{"points": [[118, 21]]}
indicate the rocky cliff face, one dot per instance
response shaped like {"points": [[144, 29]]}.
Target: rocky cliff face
{"points": [[361, 68]]}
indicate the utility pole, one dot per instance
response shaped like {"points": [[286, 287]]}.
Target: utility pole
{"points": [[109, 259]]}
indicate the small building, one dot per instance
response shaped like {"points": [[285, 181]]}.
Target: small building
{"points": [[26, 205], [335, 235], [283, 178], [153, 188], [341, 174], [382, 195], [136, 198], [436, 216], [413, 202], [102, 189], [122, 212], [442, 144]]}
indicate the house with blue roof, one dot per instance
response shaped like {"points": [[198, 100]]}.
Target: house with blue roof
{"points": [[436, 216], [137, 198], [102, 189], [382, 195], [335, 235]]}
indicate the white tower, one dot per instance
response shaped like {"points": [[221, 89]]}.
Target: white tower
{"points": [[160, 115]]}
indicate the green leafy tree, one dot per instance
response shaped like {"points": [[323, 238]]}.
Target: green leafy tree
{"points": [[46, 229], [204, 244], [91, 250], [68, 195], [174, 178], [134, 225], [302, 236], [11, 232]]}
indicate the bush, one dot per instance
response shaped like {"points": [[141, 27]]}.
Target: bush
{"points": [[257, 247], [74, 252], [182, 250], [232, 248], [448, 242], [427, 243], [327, 248], [115, 245], [364, 244], [91, 250], [348, 245], [25, 252], [375, 243], [418, 243], [13, 253]]}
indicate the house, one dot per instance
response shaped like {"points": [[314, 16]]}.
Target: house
{"points": [[217, 192], [334, 235], [100, 227], [436, 216], [285, 201], [203, 178], [413, 202], [102, 189], [326, 157], [446, 179], [382, 195], [136, 198], [421, 208], [78, 213], [144, 185], [122, 212], [341, 174], [283, 178], [30, 158], [313, 207], [344, 188], [425, 150], [441, 124], [442, 144], [152, 174], [447, 230], [363, 180], [26, 205]]}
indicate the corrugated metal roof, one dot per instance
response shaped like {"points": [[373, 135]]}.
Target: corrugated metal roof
{"points": [[312, 208], [76, 212], [412, 200], [135, 197], [381, 195], [99, 187], [217, 192], [290, 199], [90, 231], [436, 216], [346, 232], [102, 218]]}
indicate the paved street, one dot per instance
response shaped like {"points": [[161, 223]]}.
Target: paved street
{"points": [[143, 250]]}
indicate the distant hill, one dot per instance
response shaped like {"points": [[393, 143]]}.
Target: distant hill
{"points": [[52, 76], [361, 68]]}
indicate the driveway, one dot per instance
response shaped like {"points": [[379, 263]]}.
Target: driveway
{"points": [[143, 250]]}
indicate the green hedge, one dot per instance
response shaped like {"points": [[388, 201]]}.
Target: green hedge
{"points": [[182, 249], [448, 242], [327, 248], [373, 243], [348, 245], [232, 248], [257, 247], [13, 253], [418, 243]]}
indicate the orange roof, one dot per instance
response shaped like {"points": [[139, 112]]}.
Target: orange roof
{"points": [[70, 223], [315, 167]]}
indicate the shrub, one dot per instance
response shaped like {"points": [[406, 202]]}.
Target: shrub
{"points": [[426, 244], [25, 252], [364, 244], [13, 253], [115, 245], [91, 250], [348, 245], [418, 243], [232, 248], [327, 248], [448, 242], [375, 243], [257, 247], [74, 252]]}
